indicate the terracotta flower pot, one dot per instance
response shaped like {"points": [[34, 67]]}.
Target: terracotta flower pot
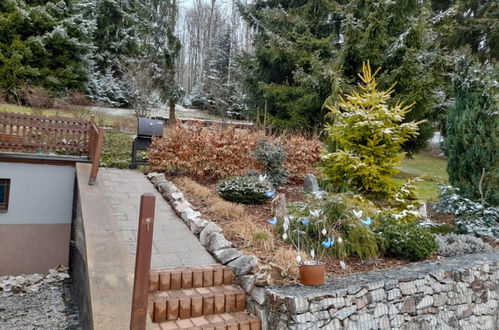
{"points": [[312, 274]]}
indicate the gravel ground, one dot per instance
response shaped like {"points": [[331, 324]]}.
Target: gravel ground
{"points": [[34, 302]]}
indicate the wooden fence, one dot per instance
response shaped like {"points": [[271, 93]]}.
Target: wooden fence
{"points": [[58, 135]]}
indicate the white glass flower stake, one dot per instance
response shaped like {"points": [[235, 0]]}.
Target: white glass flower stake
{"points": [[312, 254]]}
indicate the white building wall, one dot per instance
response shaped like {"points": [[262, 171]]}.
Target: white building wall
{"points": [[39, 194]]}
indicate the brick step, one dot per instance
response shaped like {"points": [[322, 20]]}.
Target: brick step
{"points": [[195, 302], [226, 321], [189, 277]]}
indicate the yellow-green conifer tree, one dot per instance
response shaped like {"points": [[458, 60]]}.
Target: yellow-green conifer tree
{"points": [[368, 135]]}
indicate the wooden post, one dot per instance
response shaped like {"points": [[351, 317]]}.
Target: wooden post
{"points": [[142, 262], [96, 156]]}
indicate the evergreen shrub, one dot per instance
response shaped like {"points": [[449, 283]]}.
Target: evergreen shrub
{"points": [[453, 244], [244, 190], [472, 137], [272, 157], [472, 217], [407, 241]]}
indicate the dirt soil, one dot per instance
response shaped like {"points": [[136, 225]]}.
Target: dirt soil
{"points": [[262, 213]]}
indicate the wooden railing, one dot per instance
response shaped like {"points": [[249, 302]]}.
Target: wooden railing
{"points": [[28, 133], [63, 136]]}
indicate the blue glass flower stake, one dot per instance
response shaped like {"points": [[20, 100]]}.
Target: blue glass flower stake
{"points": [[270, 193], [367, 221], [273, 221], [329, 242]]}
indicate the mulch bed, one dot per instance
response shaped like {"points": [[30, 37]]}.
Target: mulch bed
{"points": [[262, 213]]}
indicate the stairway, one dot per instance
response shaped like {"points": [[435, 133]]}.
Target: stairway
{"points": [[198, 298]]}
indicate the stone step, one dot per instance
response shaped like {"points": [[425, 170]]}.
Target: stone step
{"points": [[188, 303], [189, 277], [225, 321]]}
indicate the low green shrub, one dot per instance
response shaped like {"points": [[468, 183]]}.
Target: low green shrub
{"points": [[453, 244], [407, 241], [272, 156], [472, 217], [244, 189]]}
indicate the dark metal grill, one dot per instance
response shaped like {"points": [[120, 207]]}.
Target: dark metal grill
{"points": [[146, 129]]}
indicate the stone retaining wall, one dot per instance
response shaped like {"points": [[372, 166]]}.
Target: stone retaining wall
{"points": [[455, 293]]}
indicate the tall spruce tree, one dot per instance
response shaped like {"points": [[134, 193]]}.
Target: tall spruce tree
{"points": [[289, 74], [306, 51], [471, 23], [397, 36], [40, 45], [472, 142]]}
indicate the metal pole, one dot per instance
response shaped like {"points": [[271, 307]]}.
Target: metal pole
{"points": [[142, 262]]}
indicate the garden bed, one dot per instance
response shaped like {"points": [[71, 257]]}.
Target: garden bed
{"points": [[240, 225]]}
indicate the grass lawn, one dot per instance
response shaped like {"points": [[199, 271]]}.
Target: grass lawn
{"points": [[430, 169]]}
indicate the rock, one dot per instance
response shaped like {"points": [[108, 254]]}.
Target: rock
{"points": [[258, 293], [205, 235], [270, 274], [197, 225], [177, 195], [310, 183], [152, 175], [163, 187], [181, 205], [227, 255], [344, 312], [156, 180], [189, 213], [423, 211], [246, 282], [218, 242], [242, 265]]}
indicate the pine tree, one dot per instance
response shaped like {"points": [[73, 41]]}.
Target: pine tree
{"points": [[472, 23], [40, 45], [472, 142], [289, 75], [405, 46], [368, 134]]}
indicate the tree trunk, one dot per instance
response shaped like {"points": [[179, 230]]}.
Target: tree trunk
{"points": [[173, 116]]}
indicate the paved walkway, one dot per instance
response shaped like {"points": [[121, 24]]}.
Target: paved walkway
{"points": [[173, 243]]}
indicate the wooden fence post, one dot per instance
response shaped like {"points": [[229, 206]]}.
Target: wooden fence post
{"points": [[142, 262], [97, 145]]}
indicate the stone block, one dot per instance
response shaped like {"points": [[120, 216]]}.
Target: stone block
{"points": [[205, 235], [393, 294], [380, 310], [258, 294], [408, 288], [344, 312], [243, 265], [197, 225], [227, 255], [310, 183], [427, 301], [218, 242], [376, 295]]}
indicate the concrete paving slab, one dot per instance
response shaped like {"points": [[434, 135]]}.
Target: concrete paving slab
{"points": [[174, 245]]}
